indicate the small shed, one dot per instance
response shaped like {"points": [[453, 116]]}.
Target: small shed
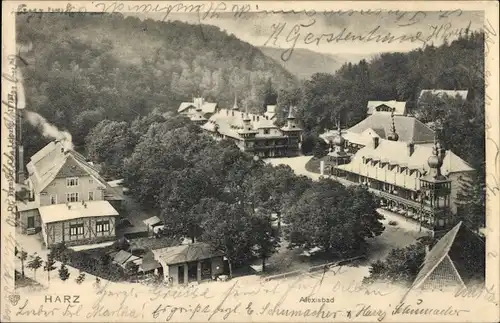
{"points": [[187, 263], [153, 222]]}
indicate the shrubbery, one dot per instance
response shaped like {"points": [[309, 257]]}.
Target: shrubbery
{"points": [[86, 263]]}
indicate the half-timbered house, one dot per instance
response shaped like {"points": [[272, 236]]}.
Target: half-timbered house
{"points": [[66, 191]]}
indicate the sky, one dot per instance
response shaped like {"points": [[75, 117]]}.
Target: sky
{"points": [[338, 33]]}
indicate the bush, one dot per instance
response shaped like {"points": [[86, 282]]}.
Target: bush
{"points": [[100, 266], [392, 222]]}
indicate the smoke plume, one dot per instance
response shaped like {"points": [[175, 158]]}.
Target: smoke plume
{"points": [[36, 120], [49, 130]]}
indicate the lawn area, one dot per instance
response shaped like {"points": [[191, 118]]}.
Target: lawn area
{"points": [[313, 165], [26, 282]]}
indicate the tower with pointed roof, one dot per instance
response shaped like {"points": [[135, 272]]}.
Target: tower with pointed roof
{"points": [[337, 155], [436, 188], [393, 135], [293, 132], [248, 132]]}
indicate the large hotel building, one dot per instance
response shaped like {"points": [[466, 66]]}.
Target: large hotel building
{"points": [[254, 133], [399, 159]]}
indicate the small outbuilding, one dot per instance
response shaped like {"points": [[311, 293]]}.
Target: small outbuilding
{"points": [[189, 263]]}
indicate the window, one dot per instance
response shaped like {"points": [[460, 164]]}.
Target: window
{"points": [[266, 131], [102, 226], [91, 181], [91, 196], [76, 229], [53, 199], [72, 197], [72, 181], [31, 222]]}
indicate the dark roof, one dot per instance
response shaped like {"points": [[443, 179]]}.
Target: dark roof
{"points": [[151, 243], [408, 128], [121, 257], [186, 253], [465, 249]]}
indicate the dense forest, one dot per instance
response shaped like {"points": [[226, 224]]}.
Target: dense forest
{"points": [[84, 69]]}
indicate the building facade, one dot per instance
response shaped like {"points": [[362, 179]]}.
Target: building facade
{"points": [[419, 180], [197, 110], [68, 200], [256, 134], [189, 263]]}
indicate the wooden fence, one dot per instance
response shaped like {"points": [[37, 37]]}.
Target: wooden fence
{"points": [[324, 267]]}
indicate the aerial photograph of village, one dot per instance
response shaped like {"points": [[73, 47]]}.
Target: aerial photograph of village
{"points": [[167, 153]]}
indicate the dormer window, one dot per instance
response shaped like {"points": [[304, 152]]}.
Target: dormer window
{"points": [[72, 181]]}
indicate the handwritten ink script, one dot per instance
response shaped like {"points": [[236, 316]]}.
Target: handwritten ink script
{"points": [[267, 299], [9, 100]]}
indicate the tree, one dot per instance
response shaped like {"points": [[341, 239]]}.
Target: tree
{"points": [[109, 143], [63, 272], [266, 237], [228, 229], [343, 219], [80, 278], [266, 188], [471, 202], [35, 263], [182, 209], [23, 255], [49, 264], [401, 265]]}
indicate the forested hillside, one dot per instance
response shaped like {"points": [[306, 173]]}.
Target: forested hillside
{"points": [[83, 69], [304, 63]]}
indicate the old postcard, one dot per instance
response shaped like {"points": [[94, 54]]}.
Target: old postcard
{"points": [[250, 161]]}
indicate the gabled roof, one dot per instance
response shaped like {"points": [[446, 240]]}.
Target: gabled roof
{"points": [[53, 161], [270, 112], [230, 122], [408, 128], [398, 106], [396, 153], [185, 253], [154, 220], [450, 93], [122, 257], [76, 210], [464, 251], [206, 107]]}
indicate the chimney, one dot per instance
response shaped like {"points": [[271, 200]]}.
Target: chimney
{"points": [[20, 148], [375, 142], [411, 148], [20, 164]]}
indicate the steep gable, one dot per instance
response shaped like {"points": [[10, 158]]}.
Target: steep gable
{"points": [[408, 128], [71, 169]]}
